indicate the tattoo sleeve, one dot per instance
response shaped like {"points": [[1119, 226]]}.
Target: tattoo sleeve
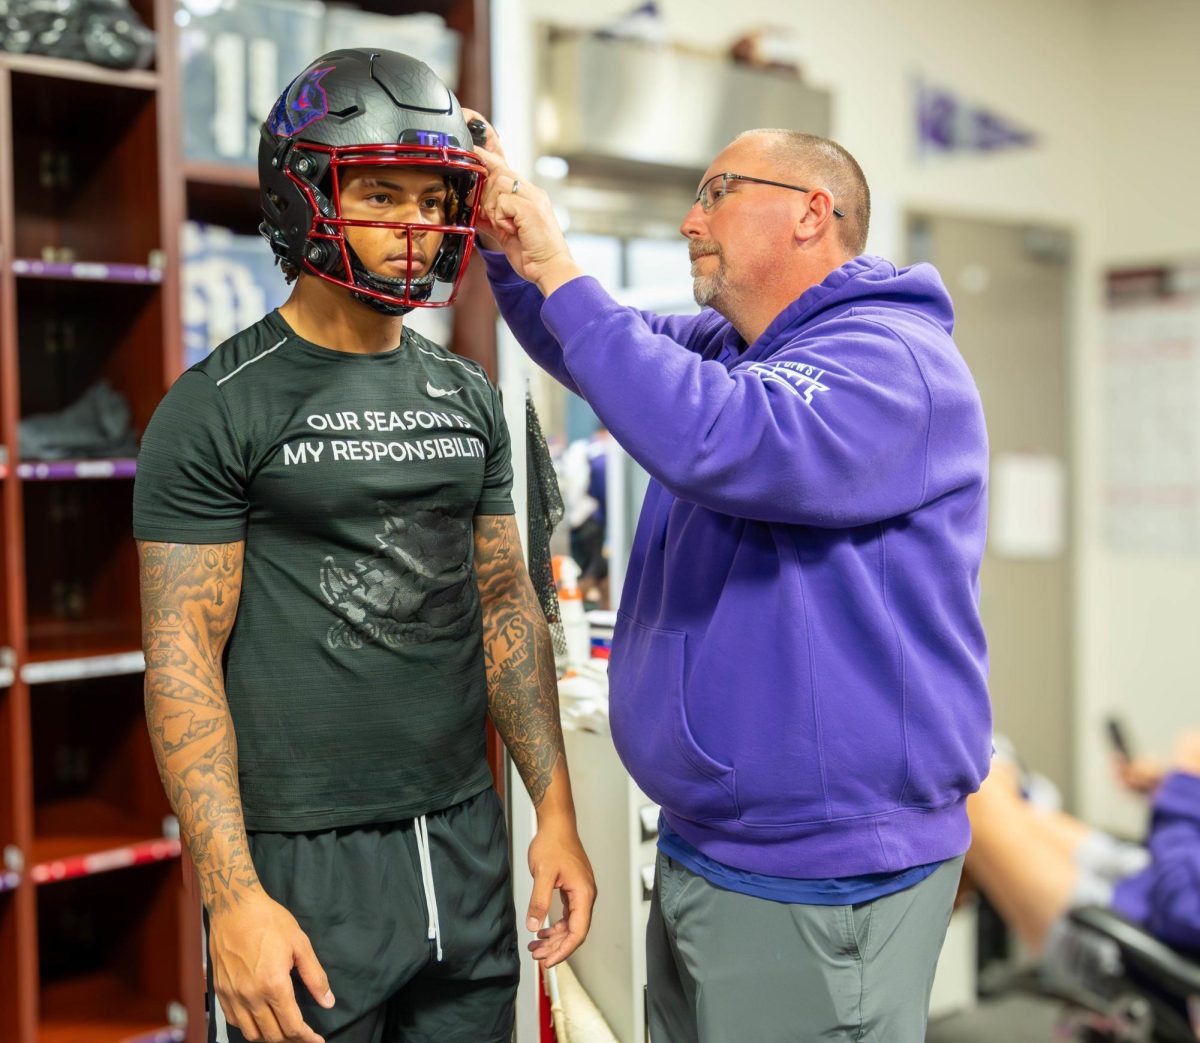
{"points": [[189, 601], [521, 679]]}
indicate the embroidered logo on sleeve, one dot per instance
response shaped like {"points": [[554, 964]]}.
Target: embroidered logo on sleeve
{"points": [[802, 381]]}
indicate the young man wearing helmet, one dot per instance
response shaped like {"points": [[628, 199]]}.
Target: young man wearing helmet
{"points": [[334, 597]]}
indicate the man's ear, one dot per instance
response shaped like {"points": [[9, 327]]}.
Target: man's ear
{"points": [[815, 216]]}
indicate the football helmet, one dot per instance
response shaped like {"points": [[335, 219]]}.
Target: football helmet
{"points": [[360, 107]]}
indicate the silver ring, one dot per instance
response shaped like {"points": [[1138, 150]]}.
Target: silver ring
{"points": [[516, 186]]}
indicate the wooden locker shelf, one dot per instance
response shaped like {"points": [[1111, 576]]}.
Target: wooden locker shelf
{"points": [[85, 271], [77, 470], [11, 932], [93, 775], [7, 659], [225, 205], [99, 937], [81, 569], [45, 668], [109, 955], [81, 72], [99, 940], [116, 1031], [85, 170], [73, 333], [60, 654], [222, 175], [223, 194], [68, 857]]}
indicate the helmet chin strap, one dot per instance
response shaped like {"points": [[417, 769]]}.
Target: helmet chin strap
{"points": [[419, 288], [383, 307]]}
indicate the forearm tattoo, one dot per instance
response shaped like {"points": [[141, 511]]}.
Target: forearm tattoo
{"points": [[189, 602], [518, 655]]}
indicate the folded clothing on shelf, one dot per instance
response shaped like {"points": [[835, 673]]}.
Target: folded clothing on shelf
{"points": [[95, 426]]}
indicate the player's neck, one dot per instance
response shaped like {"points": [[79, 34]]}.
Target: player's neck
{"points": [[327, 315]]}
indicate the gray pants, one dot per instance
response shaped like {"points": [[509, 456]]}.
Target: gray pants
{"points": [[724, 967]]}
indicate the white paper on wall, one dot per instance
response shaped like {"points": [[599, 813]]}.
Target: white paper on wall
{"points": [[1152, 425]]}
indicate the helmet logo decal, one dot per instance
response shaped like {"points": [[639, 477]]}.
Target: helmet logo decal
{"points": [[428, 138], [308, 105]]}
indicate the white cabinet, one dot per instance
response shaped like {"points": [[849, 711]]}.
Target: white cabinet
{"points": [[954, 983], [619, 828]]}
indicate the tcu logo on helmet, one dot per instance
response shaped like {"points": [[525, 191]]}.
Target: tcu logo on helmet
{"points": [[303, 103]]}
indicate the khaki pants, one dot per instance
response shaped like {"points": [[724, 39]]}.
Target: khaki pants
{"points": [[727, 968]]}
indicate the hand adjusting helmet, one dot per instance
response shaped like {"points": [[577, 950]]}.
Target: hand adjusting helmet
{"points": [[361, 107]]}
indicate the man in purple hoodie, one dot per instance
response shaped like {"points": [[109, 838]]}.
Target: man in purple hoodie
{"points": [[798, 674]]}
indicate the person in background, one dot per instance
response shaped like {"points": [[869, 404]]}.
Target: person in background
{"points": [[1034, 864], [334, 600], [585, 490], [798, 672]]}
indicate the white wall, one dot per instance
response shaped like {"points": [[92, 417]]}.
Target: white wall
{"points": [[1143, 635], [1150, 110], [1034, 61], [1111, 90]]}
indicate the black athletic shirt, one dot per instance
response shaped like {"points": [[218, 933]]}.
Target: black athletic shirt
{"points": [[355, 671]]}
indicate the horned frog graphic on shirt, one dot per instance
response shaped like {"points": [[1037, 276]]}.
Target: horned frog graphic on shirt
{"points": [[418, 587]]}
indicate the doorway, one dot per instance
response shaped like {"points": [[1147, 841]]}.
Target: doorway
{"points": [[1010, 284]]}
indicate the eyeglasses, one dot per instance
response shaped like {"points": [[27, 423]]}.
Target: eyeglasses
{"points": [[711, 193]]}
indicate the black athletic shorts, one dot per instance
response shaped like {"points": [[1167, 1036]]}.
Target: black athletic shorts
{"points": [[358, 895]]}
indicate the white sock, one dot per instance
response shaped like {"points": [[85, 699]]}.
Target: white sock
{"points": [[1110, 858]]}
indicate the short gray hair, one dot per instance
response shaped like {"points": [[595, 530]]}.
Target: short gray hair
{"points": [[830, 167]]}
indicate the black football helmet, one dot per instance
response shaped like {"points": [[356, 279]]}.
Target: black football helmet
{"points": [[361, 107]]}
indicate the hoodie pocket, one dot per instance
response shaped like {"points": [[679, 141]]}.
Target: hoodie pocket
{"points": [[650, 730]]}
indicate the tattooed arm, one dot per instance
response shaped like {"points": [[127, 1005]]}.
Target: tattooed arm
{"points": [[190, 596], [523, 704], [189, 601]]}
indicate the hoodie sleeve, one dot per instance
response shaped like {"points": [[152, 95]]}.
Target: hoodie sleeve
{"points": [[520, 305], [1172, 881], [832, 433]]}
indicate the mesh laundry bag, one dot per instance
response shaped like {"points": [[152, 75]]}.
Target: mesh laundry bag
{"points": [[545, 512]]}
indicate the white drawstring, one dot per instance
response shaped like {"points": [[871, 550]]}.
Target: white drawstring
{"points": [[435, 927]]}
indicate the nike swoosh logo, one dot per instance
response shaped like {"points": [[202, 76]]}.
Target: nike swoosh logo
{"points": [[440, 392]]}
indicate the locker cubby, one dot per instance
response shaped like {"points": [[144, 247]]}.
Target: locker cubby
{"points": [[72, 334], [100, 938], [95, 785], [85, 170], [9, 955], [8, 825], [223, 196], [109, 955], [81, 569], [5, 635]]}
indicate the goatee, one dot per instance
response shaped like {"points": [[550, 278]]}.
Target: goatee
{"points": [[707, 288]]}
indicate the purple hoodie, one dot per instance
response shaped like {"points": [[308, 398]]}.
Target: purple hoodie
{"points": [[798, 674], [1165, 897]]}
